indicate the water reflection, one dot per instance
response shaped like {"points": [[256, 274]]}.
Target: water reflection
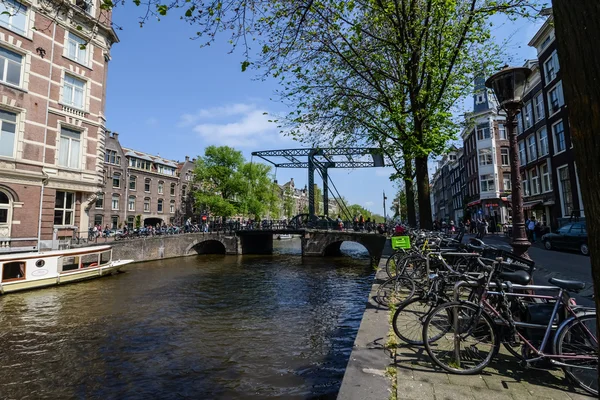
{"points": [[213, 327]]}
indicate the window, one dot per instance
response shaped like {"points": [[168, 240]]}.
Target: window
{"points": [[485, 156], [183, 188], [112, 157], [114, 222], [69, 151], [558, 133], [564, 183], [77, 49], [131, 203], [132, 180], [64, 208], [522, 157], [116, 180], [115, 202], [160, 187], [73, 92], [538, 106], [506, 183], [146, 204], [543, 142], [10, 66], [551, 67], [98, 219], [12, 271], [545, 43], [519, 124], [525, 184], [504, 156], [86, 5], [8, 130], [528, 115], [159, 206], [130, 221], [5, 211], [100, 200], [531, 149], [13, 16], [147, 185], [172, 207], [502, 132], [483, 132], [555, 98], [487, 183], [534, 181], [172, 189], [546, 178]]}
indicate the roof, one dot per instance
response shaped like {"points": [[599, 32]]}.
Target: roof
{"points": [[149, 157], [54, 253]]}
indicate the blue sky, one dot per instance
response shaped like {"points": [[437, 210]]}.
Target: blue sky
{"points": [[168, 96]]}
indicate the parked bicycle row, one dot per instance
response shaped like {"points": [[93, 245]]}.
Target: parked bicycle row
{"points": [[461, 302]]}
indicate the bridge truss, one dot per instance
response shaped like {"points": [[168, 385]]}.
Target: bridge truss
{"points": [[321, 160]]}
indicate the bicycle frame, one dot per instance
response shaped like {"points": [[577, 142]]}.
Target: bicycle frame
{"points": [[504, 322]]}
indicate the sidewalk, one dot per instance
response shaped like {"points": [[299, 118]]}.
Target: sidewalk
{"points": [[368, 372]]}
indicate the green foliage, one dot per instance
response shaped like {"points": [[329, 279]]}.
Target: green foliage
{"points": [[137, 221], [288, 203]]}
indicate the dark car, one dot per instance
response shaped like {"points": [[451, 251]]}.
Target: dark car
{"points": [[572, 236]]}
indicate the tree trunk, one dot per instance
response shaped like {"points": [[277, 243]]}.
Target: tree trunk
{"points": [[577, 36], [425, 217], [411, 213]]}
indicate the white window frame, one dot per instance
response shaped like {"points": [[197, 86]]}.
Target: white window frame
{"points": [[522, 153], [528, 115], [64, 209], [161, 187], [14, 8], [114, 202], [160, 206], [7, 62], [534, 178], [172, 207], [9, 211], [81, 56], [100, 197], [505, 156], [506, 182], [502, 134], [116, 177], [15, 134], [487, 178], [565, 213], [551, 67], [554, 139], [147, 203], [148, 182], [132, 179], [485, 156], [546, 177], [532, 147], [543, 148], [538, 106], [131, 203], [71, 162], [479, 130], [561, 98], [71, 101], [525, 184]]}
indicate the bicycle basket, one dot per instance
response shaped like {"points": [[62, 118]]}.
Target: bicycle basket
{"points": [[400, 242]]}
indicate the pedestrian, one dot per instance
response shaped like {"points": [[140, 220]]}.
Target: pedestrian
{"points": [[531, 228]]}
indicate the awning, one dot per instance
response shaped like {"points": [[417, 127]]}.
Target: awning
{"points": [[474, 203], [530, 204]]}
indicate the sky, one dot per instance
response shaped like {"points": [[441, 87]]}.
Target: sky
{"points": [[168, 96]]}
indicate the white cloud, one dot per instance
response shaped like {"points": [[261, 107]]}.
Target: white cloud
{"points": [[369, 203], [236, 125]]}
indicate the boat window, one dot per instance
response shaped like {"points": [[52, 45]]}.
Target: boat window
{"points": [[104, 257], [13, 270], [89, 260], [70, 263]]}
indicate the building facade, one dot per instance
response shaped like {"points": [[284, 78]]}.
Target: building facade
{"points": [[551, 184], [141, 189], [486, 159], [52, 133]]}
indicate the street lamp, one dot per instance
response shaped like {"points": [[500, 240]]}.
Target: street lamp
{"points": [[509, 87]]}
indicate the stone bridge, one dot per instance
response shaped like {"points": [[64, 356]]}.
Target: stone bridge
{"points": [[314, 243]]}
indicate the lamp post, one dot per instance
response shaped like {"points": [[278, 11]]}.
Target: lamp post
{"points": [[509, 87]]}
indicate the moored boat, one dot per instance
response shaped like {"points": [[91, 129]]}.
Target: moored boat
{"points": [[23, 271], [284, 237]]}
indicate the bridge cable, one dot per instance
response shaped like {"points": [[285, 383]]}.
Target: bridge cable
{"points": [[342, 206]]}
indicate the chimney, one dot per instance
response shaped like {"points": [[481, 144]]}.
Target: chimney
{"points": [[115, 135], [194, 159], [187, 158]]}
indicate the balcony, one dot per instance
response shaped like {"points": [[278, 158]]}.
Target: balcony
{"points": [[73, 111]]}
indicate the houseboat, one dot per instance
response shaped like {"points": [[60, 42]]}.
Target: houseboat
{"points": [[23, 271], [284, 237]]}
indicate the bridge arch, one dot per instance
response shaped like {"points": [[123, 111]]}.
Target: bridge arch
{"points": [[206, 246], [324, 243], [332, 247]]}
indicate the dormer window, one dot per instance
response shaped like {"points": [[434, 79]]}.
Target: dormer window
{"points": [[85, 5], [480, 98]]}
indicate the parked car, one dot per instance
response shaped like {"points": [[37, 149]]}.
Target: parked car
{"points": [[572, 236]]}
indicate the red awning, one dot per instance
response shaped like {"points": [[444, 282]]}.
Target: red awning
{"points": [[474, 203]]}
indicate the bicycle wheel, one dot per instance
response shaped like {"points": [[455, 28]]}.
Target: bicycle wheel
{"points": [[395, 290], [580, 338], [392, 263], [409, 318], [466, 337]]}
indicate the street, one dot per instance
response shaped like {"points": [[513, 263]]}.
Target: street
{"points": [[559, 264]]}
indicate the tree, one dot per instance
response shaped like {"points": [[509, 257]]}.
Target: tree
{"points": [[288, 202], [259, 197], [219, 179], [577, 32]]}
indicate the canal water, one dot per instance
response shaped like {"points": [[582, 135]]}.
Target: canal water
{"points": [[206, 327]]}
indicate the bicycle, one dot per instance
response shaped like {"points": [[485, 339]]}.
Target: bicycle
{"points": [[572, 330]]}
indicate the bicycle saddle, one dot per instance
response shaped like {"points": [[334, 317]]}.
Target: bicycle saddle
{"points": [[574, 286], [519, 277]]}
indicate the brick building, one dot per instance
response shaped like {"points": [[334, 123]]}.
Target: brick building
{"points": [[141, 186], [52, 101], [548, 169]]}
